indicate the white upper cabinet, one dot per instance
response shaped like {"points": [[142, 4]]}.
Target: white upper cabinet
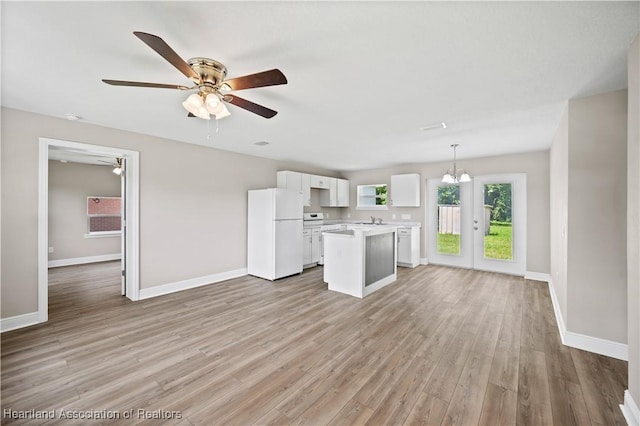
{"points": [[297, 181], [343, 192], [405, 190], [329, 197], [337, 195], [334, 192], [321, 182]]}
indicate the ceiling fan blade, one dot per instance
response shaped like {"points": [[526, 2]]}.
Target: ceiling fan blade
{"points": [[164, 50], [143, 84], [266, 78], [250, 106], [190, 115]]}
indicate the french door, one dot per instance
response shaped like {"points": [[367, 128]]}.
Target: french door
{"points": [[479, 224]]}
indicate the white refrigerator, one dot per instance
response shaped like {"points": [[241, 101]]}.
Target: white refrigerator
{"points": [[274, 230]]}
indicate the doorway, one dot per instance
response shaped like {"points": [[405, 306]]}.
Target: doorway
{"points": [[130, 219], [480, 224]]}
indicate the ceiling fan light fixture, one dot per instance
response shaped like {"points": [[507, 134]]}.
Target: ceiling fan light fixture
{"points": [[195, 105], [224, 112], [212, 102], [464, 177]]}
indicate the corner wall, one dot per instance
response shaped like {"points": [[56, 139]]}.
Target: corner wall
{"points": [[597, 218], [589, 224], [558, 222], [632, 398]]}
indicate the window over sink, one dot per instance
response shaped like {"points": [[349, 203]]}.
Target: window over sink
{"points": [[372, 197]]}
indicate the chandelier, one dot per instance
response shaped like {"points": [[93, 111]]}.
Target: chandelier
{"points": [[454, 175]]}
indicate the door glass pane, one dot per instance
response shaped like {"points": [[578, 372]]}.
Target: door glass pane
{"points": [[498, 237], [449, 219]]}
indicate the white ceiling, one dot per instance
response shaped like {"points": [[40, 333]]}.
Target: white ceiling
{"points": [[364, 77]]}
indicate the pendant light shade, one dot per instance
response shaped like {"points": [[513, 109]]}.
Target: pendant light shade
{"points": [[216, 107], [195, 105], [452, 176]]}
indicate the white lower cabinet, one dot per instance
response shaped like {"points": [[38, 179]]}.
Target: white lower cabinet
{"points": [[310, 247], [306, 247], [315, 245], [409, 246]]}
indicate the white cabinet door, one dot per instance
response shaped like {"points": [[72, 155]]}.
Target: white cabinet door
{"points": [[404, 245], [295, 180], [321, 182], [405, 190], [343, 192], [409, 246], [329, 197], [315, 245], [306, 189], [306, 247]]}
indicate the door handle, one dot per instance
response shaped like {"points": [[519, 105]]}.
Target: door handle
{"points": [[475, 227]]}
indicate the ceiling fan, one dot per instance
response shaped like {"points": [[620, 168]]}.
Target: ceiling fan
{"points": [[209, 78]]}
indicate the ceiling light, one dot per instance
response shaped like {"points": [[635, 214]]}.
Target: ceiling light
{"points": [[223, 113], [441, 125], [212, 102], [452, 175], [216, 107], [118, 169], [72, 117], [195, 105]]}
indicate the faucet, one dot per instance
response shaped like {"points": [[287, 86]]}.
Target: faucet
{"points": [[379, 221], [373, 220]]}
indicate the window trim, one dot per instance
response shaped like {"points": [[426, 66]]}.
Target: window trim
{"points": [[369, 207], [98, 234]]}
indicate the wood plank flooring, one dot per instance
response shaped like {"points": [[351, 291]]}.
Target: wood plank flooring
{"points": [[440, 346]]}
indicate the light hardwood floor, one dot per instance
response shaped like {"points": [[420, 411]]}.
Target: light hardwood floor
{"points": [[439, 346]]}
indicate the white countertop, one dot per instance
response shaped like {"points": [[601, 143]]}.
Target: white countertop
{"points": [[398, 224]]}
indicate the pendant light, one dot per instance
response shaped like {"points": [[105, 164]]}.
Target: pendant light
{"points": [[452, 175]]}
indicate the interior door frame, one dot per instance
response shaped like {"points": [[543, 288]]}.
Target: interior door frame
{"points": [[132, 238]]}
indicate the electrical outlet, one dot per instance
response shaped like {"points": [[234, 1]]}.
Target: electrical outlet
{"points": [[50, 249], [348, 215], [406, 216], [393, 216]]}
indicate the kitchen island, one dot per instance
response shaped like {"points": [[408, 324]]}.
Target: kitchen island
{"points": [[361, 259]]}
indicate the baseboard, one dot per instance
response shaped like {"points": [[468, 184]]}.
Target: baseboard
{"points": [[19, 321], [582, 341], [147, 293], [424, 261], [630, 410], [537, 276], [83, 260]]}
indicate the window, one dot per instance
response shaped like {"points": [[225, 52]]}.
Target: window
{"points": [[372, 197], [104, 216]]}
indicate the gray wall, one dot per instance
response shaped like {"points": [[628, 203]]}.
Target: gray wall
{"points": [[534, 164], [192, 215], [559, 197], [596, 265], [69, 186], [633, 221], [588, 233]]}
